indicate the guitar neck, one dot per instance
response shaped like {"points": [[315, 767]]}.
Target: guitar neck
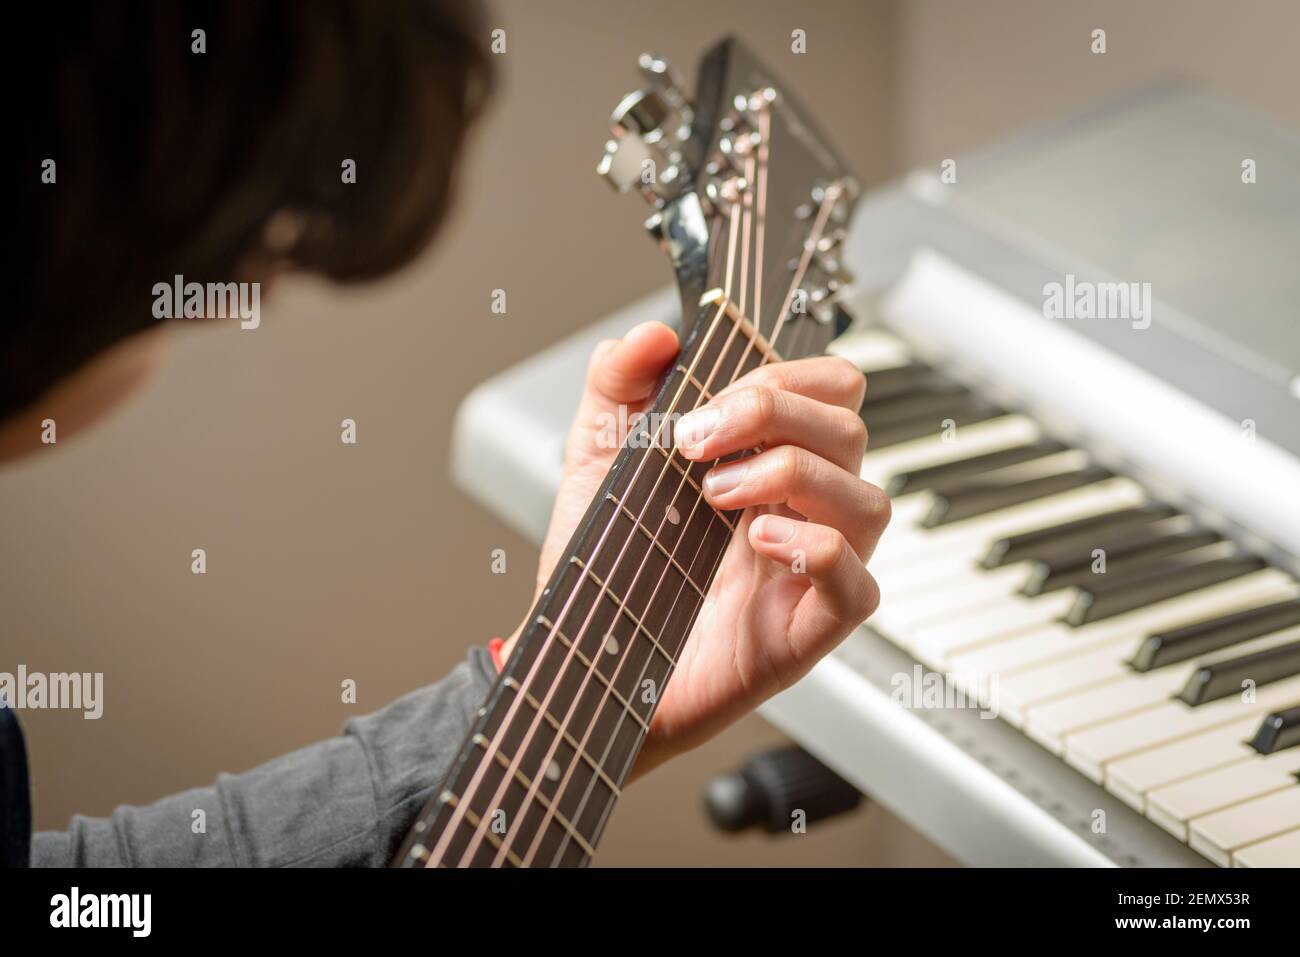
{"points": [[544, 763]]}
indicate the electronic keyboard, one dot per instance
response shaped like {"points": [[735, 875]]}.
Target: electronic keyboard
{"points": [[1083, 365]]}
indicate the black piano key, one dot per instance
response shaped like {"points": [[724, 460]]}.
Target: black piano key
{"points": [[931, 403], [1278, 731], [1167, 578], [964, 500], [965, 412], [1180, 644], [922, 479], [1080, 532], [1222, 678], [1071, 552], [888, 384], [1123, 557]]}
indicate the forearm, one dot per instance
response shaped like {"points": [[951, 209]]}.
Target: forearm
{"points": [[347, 801]]}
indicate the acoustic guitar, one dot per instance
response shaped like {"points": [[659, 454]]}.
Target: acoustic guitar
{"points": [[750, 204]]}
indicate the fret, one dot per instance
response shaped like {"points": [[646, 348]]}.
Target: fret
{"points": [[556, 768], [554, 724], [524, 781], [724, 517], [690, 479], [692, 472], [594, 668], [456, 829], [637, 573], [669, 507], [569, 765], [575, 702], [699, 386], [624, 609], [493, 839], [716, 297], [517, 795], [654, 540], [719, 357], [609, 634]]}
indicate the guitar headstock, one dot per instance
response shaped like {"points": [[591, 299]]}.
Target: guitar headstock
{"points": [[750, 201]]}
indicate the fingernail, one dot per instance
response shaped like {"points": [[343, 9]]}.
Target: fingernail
{"points": [[724, 478], [694, 428], [775, 529]]}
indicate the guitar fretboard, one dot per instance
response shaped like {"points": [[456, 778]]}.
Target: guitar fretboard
{"points": [[547, 757]]}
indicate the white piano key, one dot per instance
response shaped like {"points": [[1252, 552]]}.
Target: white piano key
{"points": [[899, 580], [1132, 778], [1048, 722], [1280, 851], [940, 641], [976, 439], [900, 614], [1219, 834], [1052, 713], [1018, 692], [1026, 649], [1093, 748], [1174, 806]]}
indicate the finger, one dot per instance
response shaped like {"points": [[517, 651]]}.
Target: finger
{"points": [[761, 416], [807, 483], [846, 591], [830, 379], [624, 371]]}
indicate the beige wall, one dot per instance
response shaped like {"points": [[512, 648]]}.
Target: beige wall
{"points": [[329, 562], [970, 71]]}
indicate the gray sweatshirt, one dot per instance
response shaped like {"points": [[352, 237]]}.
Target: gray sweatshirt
{"points": [[344, 802]]}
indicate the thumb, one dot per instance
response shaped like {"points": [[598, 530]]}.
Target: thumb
{"points": [[623, 374], [625, 371]]}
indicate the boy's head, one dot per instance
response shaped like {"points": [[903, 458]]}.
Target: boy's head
{"points": [[221, 143]]}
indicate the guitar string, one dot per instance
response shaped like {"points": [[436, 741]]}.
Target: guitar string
{"points": [[641, 732], [584, 628], [713, 516], [561, 790], [494, 745], [750, 345], [628, 762], [513, 830], [760, 231]]}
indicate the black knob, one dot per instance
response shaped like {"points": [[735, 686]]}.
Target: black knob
{"points": [[843, 319], [772, 786]]}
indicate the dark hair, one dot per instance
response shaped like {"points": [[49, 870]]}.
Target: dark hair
{"points": [[170, 161]]}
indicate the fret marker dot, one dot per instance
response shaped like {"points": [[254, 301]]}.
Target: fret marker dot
{"points": [[611, 644], [553, 771], [674, 516]]}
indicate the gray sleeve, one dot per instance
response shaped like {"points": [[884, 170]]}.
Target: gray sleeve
{"points": [[347, 801]]}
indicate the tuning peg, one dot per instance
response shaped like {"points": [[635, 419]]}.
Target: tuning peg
{"points": [[665, 79], [649, 128]]}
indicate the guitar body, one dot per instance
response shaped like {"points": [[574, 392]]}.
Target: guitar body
{"points": [[750, 203]]}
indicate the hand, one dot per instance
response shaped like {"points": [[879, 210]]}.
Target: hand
{"points": [[793, 582]]}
